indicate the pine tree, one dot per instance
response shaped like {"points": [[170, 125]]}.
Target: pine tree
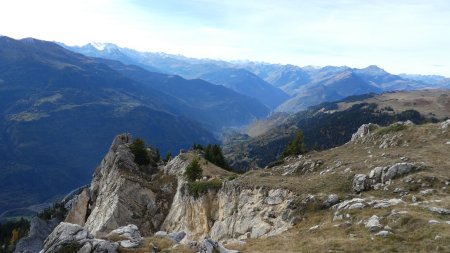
{"points": [[296, 146], [141, 156], [193, 171]]}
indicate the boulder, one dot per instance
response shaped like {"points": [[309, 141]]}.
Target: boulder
{"points": [[373, 224], [127, 236], [177, 236], [383, 233], [360, 183], [364, 130], [332, 200], [439, 210], [74, 237], [396, 170], [34, 241], [210, 246]]}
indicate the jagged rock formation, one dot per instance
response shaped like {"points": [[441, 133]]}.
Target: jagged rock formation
{"points": [[39, 230], [364, 130], [69, 237], [122, 193], [231, 212]]}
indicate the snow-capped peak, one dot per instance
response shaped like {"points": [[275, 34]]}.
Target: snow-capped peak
{"points": [[99, 46]]}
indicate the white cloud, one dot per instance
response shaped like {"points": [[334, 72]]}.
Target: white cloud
{"points": [[401, 36]]}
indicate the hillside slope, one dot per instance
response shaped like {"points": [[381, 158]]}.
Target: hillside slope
{"points": [[332, 124], [59, 111]]}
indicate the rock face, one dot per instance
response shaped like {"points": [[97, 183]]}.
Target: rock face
{"points": [[69, 237], [34, 241], [231, 212], [122, 193], [364, 130]]}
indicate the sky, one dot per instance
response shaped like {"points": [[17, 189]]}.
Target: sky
{"points": [[401, 36]]}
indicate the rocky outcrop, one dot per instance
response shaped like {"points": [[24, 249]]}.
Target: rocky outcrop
{"points": [[127, 236], [121, 193], [231, 212], [445, 125], [364, 130], [381, 175], [39, 230], [78, 212], [69, 237]]}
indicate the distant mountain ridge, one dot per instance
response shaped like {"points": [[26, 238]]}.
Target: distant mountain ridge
{"points": [[297, 82]]}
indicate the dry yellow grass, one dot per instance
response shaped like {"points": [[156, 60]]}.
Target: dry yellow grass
{"points": [[424, 144], [434, 103], [163, 244]]}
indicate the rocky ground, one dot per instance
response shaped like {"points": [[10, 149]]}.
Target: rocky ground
{"points": [[387, 190]]}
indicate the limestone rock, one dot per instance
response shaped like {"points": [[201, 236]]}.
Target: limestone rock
{"points": [[80, 206], [364, 130], [210, 246], [445, 125], [360, 183], [67, 235], [396, 170], [439, 210], [231, 212], [373, 224], [122, 193], [34, 241], [332, 200], [177, 236], [127, 236], [383, 233], [275, 197]]}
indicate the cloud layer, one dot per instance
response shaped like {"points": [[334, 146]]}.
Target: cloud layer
{"points": [[401, 36]]}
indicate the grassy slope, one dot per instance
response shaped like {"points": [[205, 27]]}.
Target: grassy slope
{"points": [[420, 144]]}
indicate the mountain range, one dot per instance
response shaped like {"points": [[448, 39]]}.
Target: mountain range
{"points": [[292, 85], [60, 109]]}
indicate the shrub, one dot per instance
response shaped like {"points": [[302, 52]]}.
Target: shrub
{"points": [[201, 187], [233, 177], [193, 171], [392, 129], [141, 156], [168, 157]]}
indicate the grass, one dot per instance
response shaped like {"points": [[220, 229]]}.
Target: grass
{"points": [[412, 233], [424, 144], [199, 188], [391, 129]]}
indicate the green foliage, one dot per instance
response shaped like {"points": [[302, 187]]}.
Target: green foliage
{"points": [[392, 129], [11, 232], [168, 157], [296, 146], [193, 171], [199, 188], [213, 153], [57, 210], [141, 156], [232, 177], [198, 147]]}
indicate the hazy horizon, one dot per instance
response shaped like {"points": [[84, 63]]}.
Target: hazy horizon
{"points": [[400, 37]]}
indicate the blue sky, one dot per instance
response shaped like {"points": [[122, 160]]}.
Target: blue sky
{"points": [[399, 35]]}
